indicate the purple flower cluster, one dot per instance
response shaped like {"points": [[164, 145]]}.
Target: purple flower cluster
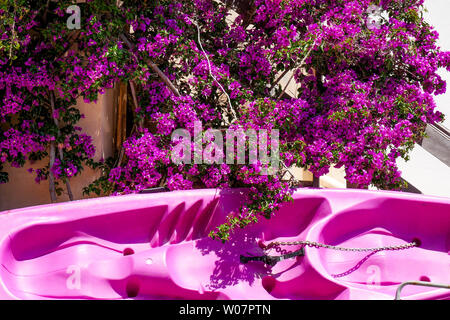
{"points": [[144, 166]]}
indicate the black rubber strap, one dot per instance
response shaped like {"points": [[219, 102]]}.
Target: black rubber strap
{"points": [[273, 260]]}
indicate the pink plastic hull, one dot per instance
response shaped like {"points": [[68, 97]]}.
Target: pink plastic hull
{"points": [[156, 247]]}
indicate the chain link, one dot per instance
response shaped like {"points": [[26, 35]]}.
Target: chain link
{"points": [[326, 246]]}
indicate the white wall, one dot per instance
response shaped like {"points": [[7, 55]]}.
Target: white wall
{"points": [[438, 16]]}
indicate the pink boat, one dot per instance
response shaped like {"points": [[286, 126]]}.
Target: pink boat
{"points": [[155, 246]]}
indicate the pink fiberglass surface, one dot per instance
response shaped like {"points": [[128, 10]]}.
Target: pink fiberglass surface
{"points": [[156, 247]]}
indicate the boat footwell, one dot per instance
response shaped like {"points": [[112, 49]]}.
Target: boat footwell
{"points": [[155, 246]]}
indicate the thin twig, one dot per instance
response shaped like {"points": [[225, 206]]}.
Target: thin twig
{"points": [[73, 37], [279, 79], [287, 85], [289, 171]]}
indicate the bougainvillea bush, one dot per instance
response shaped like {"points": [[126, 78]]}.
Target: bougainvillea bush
{"points": [[366, 72]]}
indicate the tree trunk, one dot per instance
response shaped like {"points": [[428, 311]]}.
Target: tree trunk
{"points": [[51, 177], [60, 151]]}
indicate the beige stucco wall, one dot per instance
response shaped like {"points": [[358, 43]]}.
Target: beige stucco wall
{"points": [[22, 191]]}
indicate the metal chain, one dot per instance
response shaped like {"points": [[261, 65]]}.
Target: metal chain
{"points": [[326, 246], [356, 267]]}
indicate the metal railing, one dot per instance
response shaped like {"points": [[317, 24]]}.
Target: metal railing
{"points": [[419, 283]]}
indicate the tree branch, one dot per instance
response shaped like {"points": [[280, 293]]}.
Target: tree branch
{"points": [[154, 67], [51, 177], [302, 63], [46, 11], [60, 151], [135, 101]]}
